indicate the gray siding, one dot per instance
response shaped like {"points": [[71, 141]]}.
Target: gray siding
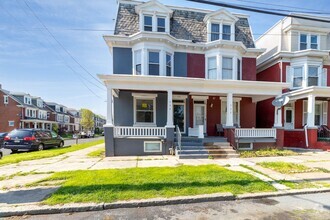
{"points": [[180, 64], [135, 147], [122, 60]]}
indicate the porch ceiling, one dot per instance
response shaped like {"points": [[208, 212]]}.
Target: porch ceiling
{"points": [[321, 92], [257, 90]]}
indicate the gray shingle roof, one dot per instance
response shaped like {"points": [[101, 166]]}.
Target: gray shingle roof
{"points": [[187, 25]]}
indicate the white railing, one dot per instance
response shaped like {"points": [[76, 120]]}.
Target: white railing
{"points": [[140, 132], [255, 133]]}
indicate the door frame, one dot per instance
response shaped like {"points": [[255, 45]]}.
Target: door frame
{"points": [[184, 114], [293, 115], [205, 115]]}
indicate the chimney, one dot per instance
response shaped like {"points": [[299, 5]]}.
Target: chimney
{"points": [[0, 86]]}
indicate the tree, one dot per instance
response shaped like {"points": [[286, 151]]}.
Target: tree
{"points": [[55, 127], [87, 119]]}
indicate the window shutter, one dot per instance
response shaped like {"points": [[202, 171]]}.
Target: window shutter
{"points": [[289, 74], [324, 77], [325, 113], [304, 121]]}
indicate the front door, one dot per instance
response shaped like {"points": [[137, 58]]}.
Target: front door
{"points": [[288, 118], [179, 116], [200, 115]]}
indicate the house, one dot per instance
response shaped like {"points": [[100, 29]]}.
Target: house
{"points": [[99, 122], [60, 114], [181, 72], [297, 52], [21, 110], [76, 118]]}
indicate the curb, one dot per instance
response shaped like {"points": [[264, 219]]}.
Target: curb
{"points": [[69, 208]]}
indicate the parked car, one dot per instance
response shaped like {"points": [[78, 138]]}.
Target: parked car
{"points": [[2, 136], [90, 134], [31, 139], [82, 134]]}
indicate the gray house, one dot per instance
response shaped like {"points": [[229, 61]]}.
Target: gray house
{"points": [[182, 73]]}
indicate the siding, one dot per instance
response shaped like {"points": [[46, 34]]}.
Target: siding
{"points": [[180, 64], [196, 65], [247, 113], [122, 61], [249, 69]]}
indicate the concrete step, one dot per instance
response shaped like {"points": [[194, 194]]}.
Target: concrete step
{"points": [[207, 156], [216, 144]]}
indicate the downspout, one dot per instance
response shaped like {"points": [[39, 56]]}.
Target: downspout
{"points": [[306, 135]]}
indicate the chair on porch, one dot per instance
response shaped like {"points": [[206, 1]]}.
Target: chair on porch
{"points": [[219, 128]]}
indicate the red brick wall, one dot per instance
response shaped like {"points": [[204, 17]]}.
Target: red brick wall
{"points": [[271, 74], [196, 65], [298, 114], [249, 68], [9, 112], [328, 113], [248, 113], [294, 138], [265, 114], [213, 114]]}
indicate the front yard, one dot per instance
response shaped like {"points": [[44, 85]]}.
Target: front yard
{"points": [[141, 183]]}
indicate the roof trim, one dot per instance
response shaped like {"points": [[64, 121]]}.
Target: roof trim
{"points": [[219, 12], [140, 7]]}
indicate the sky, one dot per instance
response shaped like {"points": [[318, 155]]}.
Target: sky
{"points": [[54, 48]]}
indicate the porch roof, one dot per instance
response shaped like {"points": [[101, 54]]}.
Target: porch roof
{"points": [[316, 91], [257, 90], [39, 121]]}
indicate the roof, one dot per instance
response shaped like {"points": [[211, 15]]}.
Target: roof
{"points": [[185, 24]]}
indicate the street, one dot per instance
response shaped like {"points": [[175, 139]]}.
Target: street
{"points": [[309, 206], [66, 143]]}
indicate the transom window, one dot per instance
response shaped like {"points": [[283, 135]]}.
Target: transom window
{"points": [[160, 24], [215, 32], [313, 75], [212, 68], [226, 32], [153, 63], [227, 68], [147, 23], [144, 110], [137, 59], [297, 76]]}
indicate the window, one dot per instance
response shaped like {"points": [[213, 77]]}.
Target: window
{"points": [[297, 76], [313, 76], [212, 68], [160, 24], [5, 99], [215, 32], [227, 68], [314, 44], [145, 109], [226, 32], [60, 118], [303, 41], [147, 23], [66, 119], [57, 108], [64, 110], [11, 123], [137, 58], [154, 63], [321, 112], [168, 64], [245, 146], [54, 135], [152, 146], [40, 103], [27, 100], [30, 113], [42, 115], [318, 114], [238, 69]]}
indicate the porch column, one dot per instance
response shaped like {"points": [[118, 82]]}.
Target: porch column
{"points": [[51, 126], [230, 115], [35, 125], [311, 111], [109, 107], [169, 109], [43, 126], [278, 117]]}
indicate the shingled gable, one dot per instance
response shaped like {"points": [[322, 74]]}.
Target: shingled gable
{"points": [[184, 24]]}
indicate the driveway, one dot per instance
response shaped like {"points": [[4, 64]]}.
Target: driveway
{"points": [[66, 143]]}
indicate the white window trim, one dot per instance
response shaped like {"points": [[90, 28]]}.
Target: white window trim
{"points": [[5, 99], [305, 64], [232, 66], [221, 23], [238, 100], [147, 97], [153, 142], [172, 63], [154, 17], [324, 116], [292, 107], [184, 110], [219, 55], [152, 22], [57, 108], [309, 43], [205, 113], [11, 122], [27, 100]]}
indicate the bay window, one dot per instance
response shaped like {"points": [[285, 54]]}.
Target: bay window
{"points": [[312, 76], [227, 68], [147, 23], [215, 32], [160, 24], [212, 68], [153, 63], [314, 44], [297, 76], [137, 62], [226, 32], [144, 109]]}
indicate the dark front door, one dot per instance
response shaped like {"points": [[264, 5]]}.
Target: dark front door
{"points": [[179, 116]]}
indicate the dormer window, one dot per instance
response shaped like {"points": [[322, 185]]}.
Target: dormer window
{"points": [[160, 24], [226, 32], [40, 103], [215, 32], [303, 42], [57, 108], [27, 100], [308, 41], [147, 23]]}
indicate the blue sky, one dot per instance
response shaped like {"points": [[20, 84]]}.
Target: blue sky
{"points": [[31, 61]]}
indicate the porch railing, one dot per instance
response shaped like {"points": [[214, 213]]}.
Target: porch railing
{"points": [[140, 132], [255, 133]]}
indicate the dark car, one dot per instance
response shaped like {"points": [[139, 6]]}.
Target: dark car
{"points": [[31, 139], [2, 136]]}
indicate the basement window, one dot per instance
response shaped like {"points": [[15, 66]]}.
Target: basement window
{"points": [[153, 146], [245, 146]]}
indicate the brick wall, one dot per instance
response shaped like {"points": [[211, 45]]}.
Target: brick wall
{"points": [[9, 112]]}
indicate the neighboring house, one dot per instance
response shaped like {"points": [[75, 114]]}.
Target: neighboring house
{"points": [[297, 52], [99, 122], [61, 115], [21, 110], [76, 118], [190, 68]]}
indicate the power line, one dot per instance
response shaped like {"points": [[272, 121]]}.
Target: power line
{"points": [[245, 8], [59, 43]]}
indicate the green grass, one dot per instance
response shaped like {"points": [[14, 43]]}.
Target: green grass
{"points": [[142, 183], [254, 170], [298, 184], [19, 157], [268, 152], [97, 153], [287, 168]]}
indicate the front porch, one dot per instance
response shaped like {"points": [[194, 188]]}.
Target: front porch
{"points": [[147, 117]]}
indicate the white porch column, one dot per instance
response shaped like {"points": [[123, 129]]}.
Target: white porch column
{"points": [[278, 117], [311, 111], [230, 115], [35, 125], [43, 125], [109, 107], [169, 109]]}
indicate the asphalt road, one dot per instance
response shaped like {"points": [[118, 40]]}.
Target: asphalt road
{"points": [[310, 206], [66, 143]]}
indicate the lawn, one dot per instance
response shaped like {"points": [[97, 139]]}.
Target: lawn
{"points": [[141, 183], [298, 184], [19, 157], [287, 168], [268, 152], [97, 153]]}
